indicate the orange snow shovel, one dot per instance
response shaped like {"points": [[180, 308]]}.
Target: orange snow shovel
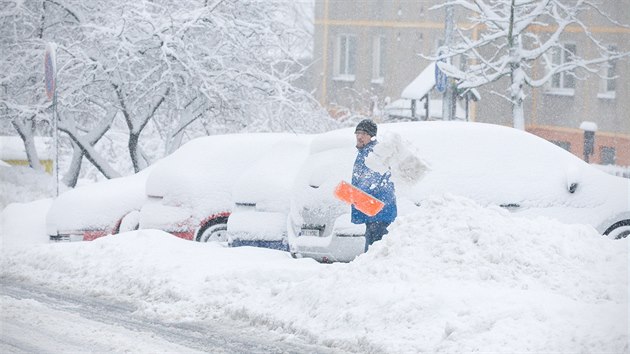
{"points": [[362, 201]]}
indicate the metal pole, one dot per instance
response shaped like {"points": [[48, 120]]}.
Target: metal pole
{"points": [[56, 141], [50, 73], [449, 94]]}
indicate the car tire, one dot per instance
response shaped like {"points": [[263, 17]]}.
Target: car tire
{"points": [[619, 230], [129, 222], [214, 230]]}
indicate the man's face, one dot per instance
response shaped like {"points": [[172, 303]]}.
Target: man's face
{"points": [[362, 139]]}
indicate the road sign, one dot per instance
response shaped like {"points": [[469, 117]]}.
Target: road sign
{"points": [[49, 71], [440, 78]]}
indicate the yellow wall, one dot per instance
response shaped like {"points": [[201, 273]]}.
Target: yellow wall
{"points": [[48, 164]]}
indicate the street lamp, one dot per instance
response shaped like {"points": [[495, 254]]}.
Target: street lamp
{"points": [[589, 129], [50, 76]]}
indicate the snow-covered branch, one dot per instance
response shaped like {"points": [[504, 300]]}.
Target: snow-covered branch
{"points": [[518, 35]]}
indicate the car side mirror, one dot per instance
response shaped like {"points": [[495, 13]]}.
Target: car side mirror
{"points": [[573, 178]]}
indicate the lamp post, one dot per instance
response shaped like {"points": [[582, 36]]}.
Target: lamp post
{"points": [[589, 129], [50, 74]]}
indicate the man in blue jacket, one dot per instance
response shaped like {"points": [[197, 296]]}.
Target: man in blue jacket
{"points": [[374, 183]]}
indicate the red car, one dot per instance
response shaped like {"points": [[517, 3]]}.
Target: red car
{"points": [[190, 192]]}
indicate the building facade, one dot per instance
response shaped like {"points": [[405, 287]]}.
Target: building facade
{"points": [[367, 52]]}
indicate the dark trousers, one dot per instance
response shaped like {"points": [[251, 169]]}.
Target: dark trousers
{"points": [[374, 231]]}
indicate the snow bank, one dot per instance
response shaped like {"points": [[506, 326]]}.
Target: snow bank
{"points": [[19, 184], [488, 281], [23, 224], [452, 277], [456, 277]]}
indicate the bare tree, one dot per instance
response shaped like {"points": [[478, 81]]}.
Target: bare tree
{"points": [[161, 69], [21, 37], [509, 44]]}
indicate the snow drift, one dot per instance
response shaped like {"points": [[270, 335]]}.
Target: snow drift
{"points": [[452, 277]]}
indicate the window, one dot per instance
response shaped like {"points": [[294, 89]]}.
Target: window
{"points": [[565, 80], [609, 82], [345, 57], [378, 59], [607, 155], [563, 144]]}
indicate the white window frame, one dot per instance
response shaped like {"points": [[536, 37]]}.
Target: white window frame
{"points": [[608, 87], [560, 82], [345, 57], [378, 59]]}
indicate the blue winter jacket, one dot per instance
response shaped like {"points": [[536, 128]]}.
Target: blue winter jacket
{"points": [[377, 185]]}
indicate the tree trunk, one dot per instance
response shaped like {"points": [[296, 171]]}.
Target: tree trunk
{"points": [[516, 72], [25, 130], [518, 115], [133, 151], [516, 94], [88, 150], [72, 176]]}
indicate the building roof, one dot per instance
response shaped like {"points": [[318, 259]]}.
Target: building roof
{"points": [[422, 84]]}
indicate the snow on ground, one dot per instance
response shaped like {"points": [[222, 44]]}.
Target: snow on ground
{"points": [[24, 224], [453, 277], [19, 184], [24, 200], [71, 332]]}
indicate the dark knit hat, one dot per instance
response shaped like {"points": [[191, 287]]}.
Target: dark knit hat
{"points": [[368, 126]]}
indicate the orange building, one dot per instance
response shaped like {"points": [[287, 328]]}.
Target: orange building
{"points": [[367, 52]]}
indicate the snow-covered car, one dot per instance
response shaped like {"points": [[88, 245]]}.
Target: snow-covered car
{"points": [[490, 164], [190, 192], [99, 209], [262, 196]]}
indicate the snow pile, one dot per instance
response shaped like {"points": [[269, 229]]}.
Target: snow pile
{"points": [[399, 156], [456, 277], [452, 277], [460, 240], [24, 224], [19, 184]]}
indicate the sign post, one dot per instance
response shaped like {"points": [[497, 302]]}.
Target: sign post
{"points": [[440, 77], [50, 74]]}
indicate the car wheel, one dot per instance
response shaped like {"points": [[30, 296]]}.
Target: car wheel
{"points": [[619, 230], [213, 231], [129, 222]]}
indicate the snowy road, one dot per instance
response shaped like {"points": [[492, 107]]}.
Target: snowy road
{"points": [[39, 320]]}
